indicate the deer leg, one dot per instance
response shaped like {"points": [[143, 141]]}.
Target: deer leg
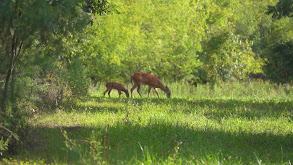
{"points": [[109, 92], [156, 92], [126, 93], [149, 91], [106, 91], [134, 86], [138, 90], [119, 93]]}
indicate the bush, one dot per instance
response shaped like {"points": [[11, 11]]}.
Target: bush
{"points": [[77, 79], [13, 128], [3, 145], [280, 62]]}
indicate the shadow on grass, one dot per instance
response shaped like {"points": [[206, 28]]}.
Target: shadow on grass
{"points": [[127, 142], [218, 108], [211, 108], [95, 105]]}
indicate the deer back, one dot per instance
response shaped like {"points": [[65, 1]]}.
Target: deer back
{"points": [[115, 85], [146, 78]]}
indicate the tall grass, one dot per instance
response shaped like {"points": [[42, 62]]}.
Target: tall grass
{"points": [[228, 123], [224, 90]]}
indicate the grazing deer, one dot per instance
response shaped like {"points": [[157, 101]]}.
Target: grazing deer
{"points": [[150, 80], [118, 86]]}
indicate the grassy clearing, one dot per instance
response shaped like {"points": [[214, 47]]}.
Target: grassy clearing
{"points": [[248, 123]]}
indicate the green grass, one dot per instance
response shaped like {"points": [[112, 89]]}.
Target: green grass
{"points": [[232, 123]]}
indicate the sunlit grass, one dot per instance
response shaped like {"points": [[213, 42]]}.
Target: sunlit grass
{"points": [[203, 125]]}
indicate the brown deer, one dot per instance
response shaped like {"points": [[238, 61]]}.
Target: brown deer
{"points": [[118, 86], [150, 80]]}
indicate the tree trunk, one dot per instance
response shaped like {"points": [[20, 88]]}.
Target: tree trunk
{"points": [[7, 82], [15, 51]]}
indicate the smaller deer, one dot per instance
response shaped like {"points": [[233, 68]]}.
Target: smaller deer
{"points": [[118, 86]]}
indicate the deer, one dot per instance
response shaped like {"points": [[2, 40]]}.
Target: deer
{"points": [[115, 85], [150, 80]]}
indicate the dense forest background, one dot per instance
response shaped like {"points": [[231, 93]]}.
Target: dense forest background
{"points": [[51, 49], [196, 41]]}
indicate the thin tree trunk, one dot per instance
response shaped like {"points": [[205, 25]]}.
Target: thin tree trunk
{"points": [[15, 53], [7, 82]]}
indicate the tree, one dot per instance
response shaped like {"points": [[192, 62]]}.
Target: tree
{"points": [[284, 8], [33, 22], [280, 62], [162, 37], [279, 50], [29, 27], [226, 57]]}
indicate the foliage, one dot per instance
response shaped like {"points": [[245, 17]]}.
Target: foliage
{"points": [[142, 44], [33, 25], [280, 62], [3, 145], [226, 57], [284, 8], [26, 23], [77, 79], [197, 41], [278, 53]]}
